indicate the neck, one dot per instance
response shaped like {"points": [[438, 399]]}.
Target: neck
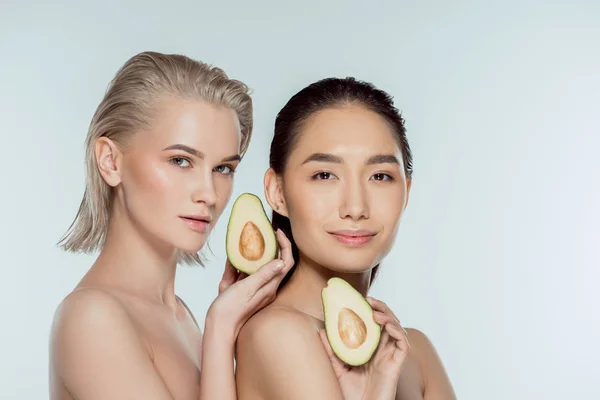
{"points": [[303, 290], [133, 262]]}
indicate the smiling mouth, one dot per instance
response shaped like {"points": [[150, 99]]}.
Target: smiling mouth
{"points": [[353, 238]]}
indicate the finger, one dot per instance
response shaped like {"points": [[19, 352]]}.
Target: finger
{"points": [[269, 288], [338, 365], [383, 347], [230, 272], [394, 332], [380, 306], [262, 276], [285, 247], [401, 350], [241, 276], [383, 319], [385, 338], [267, 282], [230, 275], [399, 336]]}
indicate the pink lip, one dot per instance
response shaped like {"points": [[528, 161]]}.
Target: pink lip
{"points": [[353, 238], [196, 222]]}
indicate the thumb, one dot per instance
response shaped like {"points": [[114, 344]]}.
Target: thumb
{"points": [[338, 366], [262, 276], [229, 277]]}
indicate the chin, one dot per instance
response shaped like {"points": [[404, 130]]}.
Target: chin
{"points": [[188, 243], [190, 246], [347, 263]]}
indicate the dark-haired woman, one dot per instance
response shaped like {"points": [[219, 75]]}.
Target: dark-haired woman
{"points": [[339, 181]]}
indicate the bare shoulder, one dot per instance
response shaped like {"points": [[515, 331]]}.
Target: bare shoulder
{"points": [[419, 341], [274, 330], [274, 320], [280, 344], [86, 318], [88, 310], [96, 350], [435, 379]]}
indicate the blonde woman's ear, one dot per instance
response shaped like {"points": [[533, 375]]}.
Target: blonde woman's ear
{"points": [[107, 155]]}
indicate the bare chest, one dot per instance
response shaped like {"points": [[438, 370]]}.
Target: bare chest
{"points": [[175, 344]]}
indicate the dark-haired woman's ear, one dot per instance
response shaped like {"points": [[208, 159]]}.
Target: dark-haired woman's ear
{"points": [[274, 192], [408, 186], [108, 160]]}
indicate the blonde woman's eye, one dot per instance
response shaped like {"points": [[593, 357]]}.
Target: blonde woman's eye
{"points": [[225, 169], [180, 162]]}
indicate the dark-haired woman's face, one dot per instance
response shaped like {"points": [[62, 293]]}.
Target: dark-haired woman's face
{"points": [[345, 188]]}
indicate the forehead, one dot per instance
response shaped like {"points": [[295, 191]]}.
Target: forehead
{"points": [[346, 129], [195, 123]]}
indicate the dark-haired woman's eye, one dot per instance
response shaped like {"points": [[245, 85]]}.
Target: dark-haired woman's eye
{"points": [[382, 177], [323, 176]]}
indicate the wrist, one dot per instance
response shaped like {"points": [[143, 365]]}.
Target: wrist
{"points": [[379, 388], [218, 327]]}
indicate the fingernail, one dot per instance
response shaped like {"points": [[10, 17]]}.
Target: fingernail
{"points": [[278, 265]]}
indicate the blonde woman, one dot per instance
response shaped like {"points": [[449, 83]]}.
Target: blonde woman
{"points": [[162, 149]]}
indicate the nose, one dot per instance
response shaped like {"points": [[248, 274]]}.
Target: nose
{"points": [[355, 204], [204, 189]]}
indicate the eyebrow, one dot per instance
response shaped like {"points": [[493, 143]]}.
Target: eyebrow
{"points": [[232, 158], [198, 153], [187, 149], [383, 159], [323, 157], [330, 158]]}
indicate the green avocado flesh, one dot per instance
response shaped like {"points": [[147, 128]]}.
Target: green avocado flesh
{"points": [[250, 241], [351, 330]]}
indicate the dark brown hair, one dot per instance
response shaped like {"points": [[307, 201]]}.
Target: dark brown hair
{"points": [[326, 93]]}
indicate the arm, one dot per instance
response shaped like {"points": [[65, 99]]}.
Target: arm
{"points": [[217, 379], [98, 354], [239, 298], [436, 382], [280, 356]]}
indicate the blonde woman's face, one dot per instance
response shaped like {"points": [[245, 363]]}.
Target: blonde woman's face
{"points": [[178, 175]]}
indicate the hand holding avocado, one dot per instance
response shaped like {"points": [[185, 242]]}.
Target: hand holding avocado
{"points": [[250, 241], [364, 340], [240, 295]]}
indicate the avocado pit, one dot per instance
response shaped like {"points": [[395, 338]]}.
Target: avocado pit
{"points": [[252, 242], [352, 329]]}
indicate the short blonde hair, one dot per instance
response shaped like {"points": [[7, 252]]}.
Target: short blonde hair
{"points": [[127, 107]]}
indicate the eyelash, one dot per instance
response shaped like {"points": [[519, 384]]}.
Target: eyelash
{"points": [[387, 177], [231, 169], [316, 176], [174, 161]]}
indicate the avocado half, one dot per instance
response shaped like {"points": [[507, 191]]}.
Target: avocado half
{"points": [[351, 330], [250, 242]]}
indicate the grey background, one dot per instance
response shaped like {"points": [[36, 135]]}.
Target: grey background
{"points": [[497, 259]]}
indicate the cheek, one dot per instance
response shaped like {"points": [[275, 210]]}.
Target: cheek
{"points": [[388, 206], [148, 182], [223, 188], [312, 206]]}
